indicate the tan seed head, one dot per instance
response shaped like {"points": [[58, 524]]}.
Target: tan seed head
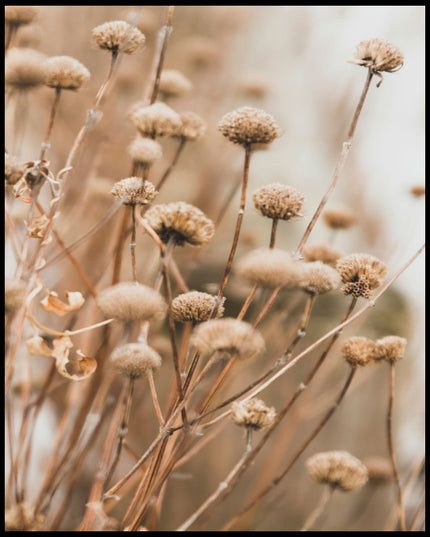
{"points": [[378, 55], [358, 351], [157, 119], [338, 469], [390, 348], [321, 252], [173, 83], [145, 150], [134, 191], [193, 127], [252, 414], [360, 274], [135, 359], [118, 36], [317, 278], [65, 72], [246, 126], [194, 306], [278, 201]]}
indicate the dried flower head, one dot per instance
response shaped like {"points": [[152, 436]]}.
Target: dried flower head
{"points": [[118, 36], [65, 72], [194, 306], [157, 119], [131, 302], [380, 469], [180, 222], [135, 359], [418, 190], [360, 274], [278, 201], [193, 127], [378, 55], [246, 126], [390, 348], [22, 517], [317, 278], [338, 469], [13, 170], [254, 85], [173, 83], [339, 218], [145, 150], [229, 336], [14, 294], [269, 267], [252, 414], [20, 15], [321, 252], [134, 191], [358, 351], [24, 68]]}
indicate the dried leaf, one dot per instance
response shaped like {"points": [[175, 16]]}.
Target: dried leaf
{"points": [[78, 369], [38, 226], [54, 304], [38, 346]]}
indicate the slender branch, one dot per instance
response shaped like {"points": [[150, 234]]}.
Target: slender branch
{"points": [[320, 507], [47, 140]]}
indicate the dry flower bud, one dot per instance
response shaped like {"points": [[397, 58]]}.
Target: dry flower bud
{"points": [[14, 294], [194, 306], [180, 222], [193, 127], [390, 348], [134, 191], [339, 218], [321, 252], [378, 55], [135, 359], [118, 36], [145, 150], [22, 517], [229, 336], [317, 278], [278, 201], [358, 351], [269, 267], [65, 72], [380, 469], [173, 83], [157, 119], [338, 469], [252, 414], [360, 274], [13, 170], [246, 126], [20, 15], [418, 190], [131, 302], [24, 68]]}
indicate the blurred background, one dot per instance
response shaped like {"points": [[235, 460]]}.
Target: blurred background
{"points": [[290, 61]]}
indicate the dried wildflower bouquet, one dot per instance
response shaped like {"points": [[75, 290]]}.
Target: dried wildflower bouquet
{"points": [[170, 380]]}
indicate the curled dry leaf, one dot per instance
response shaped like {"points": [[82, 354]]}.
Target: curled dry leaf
{"points": [[38, 346], [53, 303], [37, 226]]}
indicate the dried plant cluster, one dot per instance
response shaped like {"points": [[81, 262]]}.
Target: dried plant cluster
{"points": [[150, 343]]}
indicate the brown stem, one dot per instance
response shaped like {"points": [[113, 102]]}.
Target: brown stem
{"points": [[172, 164], [47, 139], [133, 242], [273, 232]]}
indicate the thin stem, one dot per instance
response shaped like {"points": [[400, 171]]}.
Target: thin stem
{"points": [[273, 232], [154, 396], [172, 164], [47, 140], [320, 507], [133, 242], [10, 33]]}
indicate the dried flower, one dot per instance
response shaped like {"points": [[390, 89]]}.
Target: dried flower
{"points": [[418, 190], [269, 267], [380, 469], [248, 125], [131, 302], [157, 119], [22, 517], [20, 15], [180, 222], [378, 55], [358, 351], [173, 83], [65, 72], [339, 469], [13, 170], [339, 218], [252, 414], [14, 294], [390, 348], [118, 36], [134, 191], [145, 150], [24, 68], [317, 278], [278, 201], [135, 359], [193, 127], [228, 335], [194, 306], [321, 252], [254, 85], [360, 274]]}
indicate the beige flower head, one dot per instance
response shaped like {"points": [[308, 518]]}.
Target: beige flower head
{"points": [[252, 414], [135, 359], [24, 68], [194, 306], [134, 191], [338, 469], [20, 15], [321, 252], [278, 201], [390, 348], [228, 336], [193, 127], [65, 72], [180, 222], [118, 36], [173, 83], [246, 126], [339, 218], [378, 55], [145, 150], [358, 351], [22, 517], [157, 119], [360, 274], [316, 278]]}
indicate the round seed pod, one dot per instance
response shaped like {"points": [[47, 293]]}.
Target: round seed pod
{"points": [[338, 469], [157, 119], [360, 273], [358, 351], [317, 278], [252, 414], [118, 36], [278, 201], [24, 68], [134, 191], [194, 306], [173, 83], [145, 150], [135, 359], [390, 348], [246, 126], [65, 72], [193, 127], [378, 55]]}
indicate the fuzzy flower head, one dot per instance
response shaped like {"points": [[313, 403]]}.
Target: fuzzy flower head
{"points": [[20, 15], [180, 222], [194, 306], [173, 83], [193, 127], [390, 348], [157, 119], [134, 191], [358, 351], [145, 150], [24, 68], [65, 72], [338, 469], [246, 126], [360, 274], [252, 414], [321, 252], [339, 218], [378, 55], [316, 278], [278, 201], [118, 36], [135, 359]]}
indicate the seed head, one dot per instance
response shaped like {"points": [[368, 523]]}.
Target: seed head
{"points": [[134, 191], [390, 348], [118, 36], [317, 278], [269, 267], [145, 150], [229, 336], [380, 469], [24, 68], [181, 222], [132, 302], [14, 294], [358, 351], [378, 55], [360, 274], [248, 125], [193, 127], [20, 15], [278, 201], [194, 306], [13, 170], [339, 469], [339, 218], [22, 517], [135, 359], [252, 414], [157, 119], [254, 85], [321, 252], [173, 83], [65, 72]]}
